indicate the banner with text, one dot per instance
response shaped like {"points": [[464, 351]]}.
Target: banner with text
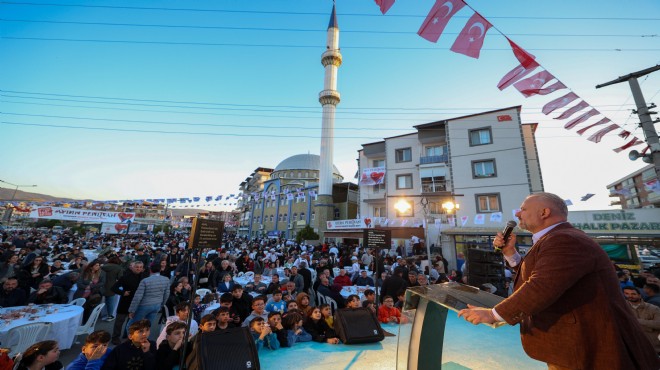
{"points": [[373, 176], [88, 215], [347, 224]]}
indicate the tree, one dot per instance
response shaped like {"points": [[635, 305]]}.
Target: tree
{"points": [[307, 233]]}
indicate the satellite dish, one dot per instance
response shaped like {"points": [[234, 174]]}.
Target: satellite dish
{"points": [[633, 155]]}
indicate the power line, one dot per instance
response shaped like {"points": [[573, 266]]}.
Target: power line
{"points": [[242, 135], [289, 13], [369, 47], [181, 132], [230, 125], [315, 107], [296, 29]]}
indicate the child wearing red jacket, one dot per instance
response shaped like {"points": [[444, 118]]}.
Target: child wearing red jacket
{"points": [[387, 313]]}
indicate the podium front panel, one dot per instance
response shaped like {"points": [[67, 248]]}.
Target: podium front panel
{"points": [[437, 338]]}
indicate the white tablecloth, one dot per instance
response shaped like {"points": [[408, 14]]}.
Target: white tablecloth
{"points": [[245, 280], [65, 321], [359, 290]]}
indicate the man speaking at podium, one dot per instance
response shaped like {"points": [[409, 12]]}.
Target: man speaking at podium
{"points": [[567, 298]]}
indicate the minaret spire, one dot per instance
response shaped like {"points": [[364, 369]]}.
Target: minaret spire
{"points": [[329, 98]]}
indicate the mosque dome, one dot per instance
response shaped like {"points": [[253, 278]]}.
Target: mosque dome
{"points": [[304, 162]]}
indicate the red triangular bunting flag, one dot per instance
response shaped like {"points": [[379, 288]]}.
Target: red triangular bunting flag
{"points": [[545, 91], [526, 59], [631, 143], [471, 38], [576, 108], [559, 103], [533, 85], [602, 121], [515, 75], [576, 121], [385, 5], [438, 17], [599, 135], [624, 134]]}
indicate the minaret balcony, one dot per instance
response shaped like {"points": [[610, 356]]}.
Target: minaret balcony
{"points": [[329, 97], [331, 57]]}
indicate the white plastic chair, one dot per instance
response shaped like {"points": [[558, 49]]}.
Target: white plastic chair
{"points": [[203, 292], [78, 301], [332, 303], [17, 361], [335, 271], [28, 335], [239, 274], [249, 275], [88, 327]]}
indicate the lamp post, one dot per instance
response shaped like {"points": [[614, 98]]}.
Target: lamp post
{"points": [[8, 213]]}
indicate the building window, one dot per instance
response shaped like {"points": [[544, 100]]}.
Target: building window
{"points": [[271, 218], [380, 212], [481, 169], [480, 136], [404, 182], [432, 151], [313, 216], [488, 203], [408, 211], [403, 155], [434, 184], [294, 217], [302, 215]]}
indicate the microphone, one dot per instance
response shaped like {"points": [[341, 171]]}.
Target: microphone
{"points": [[506, 233]]}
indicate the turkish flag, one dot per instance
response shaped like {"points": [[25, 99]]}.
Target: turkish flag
{"points": [[599, 135], [576, 121], [526, 59], [471, 38], [515, 75], [631, 143], [438, 17], [559, 103], [385, 5], [601, 122], [544, 91], [576, 108], [533, 83]]}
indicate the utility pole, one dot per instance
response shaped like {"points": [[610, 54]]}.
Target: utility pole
{"points": [[644, 112]]}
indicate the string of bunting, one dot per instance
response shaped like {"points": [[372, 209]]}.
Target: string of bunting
{"points": [[471, 39]]}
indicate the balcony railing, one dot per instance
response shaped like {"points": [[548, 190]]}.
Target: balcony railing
{"points": [[434, 159], [436, 187]]}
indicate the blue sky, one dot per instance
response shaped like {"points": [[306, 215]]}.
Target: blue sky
{"points": [[235, 86]]}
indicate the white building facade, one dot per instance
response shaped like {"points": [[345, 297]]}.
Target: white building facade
{"points": [[486, 163]]}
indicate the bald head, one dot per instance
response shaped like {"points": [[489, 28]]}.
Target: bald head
{"points": [[540, 211]]}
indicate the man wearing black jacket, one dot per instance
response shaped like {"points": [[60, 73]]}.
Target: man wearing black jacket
{"points": [[125, 287], [11, 295], [307, 276], [393, 284]]}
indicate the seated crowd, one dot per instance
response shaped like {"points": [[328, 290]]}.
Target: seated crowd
{"points": [[305, 284]]}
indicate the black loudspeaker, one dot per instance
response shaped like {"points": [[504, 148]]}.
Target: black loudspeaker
{"points": [[357, 325], [485, 266], [230, 349]]}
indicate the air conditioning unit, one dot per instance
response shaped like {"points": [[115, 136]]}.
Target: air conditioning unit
{"points": [[261, 227], [290, 226]]}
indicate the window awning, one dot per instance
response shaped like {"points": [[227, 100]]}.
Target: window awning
{"points": [[433, 172]]}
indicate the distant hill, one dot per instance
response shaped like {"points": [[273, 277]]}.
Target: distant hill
{"points": [[6, 194], [24, 196]]}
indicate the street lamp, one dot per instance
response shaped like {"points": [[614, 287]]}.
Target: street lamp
{"points": [[8, 213], [402, 206]]}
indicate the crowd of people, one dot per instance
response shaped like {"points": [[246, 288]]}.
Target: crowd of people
{"points": [[143, 277]]}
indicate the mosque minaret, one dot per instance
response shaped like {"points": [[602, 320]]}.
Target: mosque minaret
{"points": [[329, 98]]}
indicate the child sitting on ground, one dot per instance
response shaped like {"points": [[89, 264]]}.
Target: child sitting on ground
{"points": [[263, 336], [388, 314], [293, 323]]}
